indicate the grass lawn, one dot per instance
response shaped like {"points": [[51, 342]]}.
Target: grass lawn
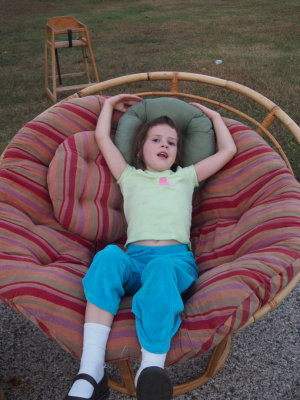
{"points": [[258, 41]]}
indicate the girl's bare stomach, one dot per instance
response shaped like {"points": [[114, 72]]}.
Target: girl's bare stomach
{"points": [[156, 242]]}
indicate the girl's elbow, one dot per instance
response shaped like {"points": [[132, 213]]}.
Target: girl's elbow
{"points": [[231, 152], [234, 148]]}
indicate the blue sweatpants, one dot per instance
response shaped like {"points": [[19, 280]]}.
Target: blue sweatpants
{"points": [[155, 277]]}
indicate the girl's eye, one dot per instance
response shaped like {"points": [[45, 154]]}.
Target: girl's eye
{"points": [[172, 144], [155, 140]]}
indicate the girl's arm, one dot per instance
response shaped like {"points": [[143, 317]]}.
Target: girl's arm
{"points": [[226, 147], [112, 155]]}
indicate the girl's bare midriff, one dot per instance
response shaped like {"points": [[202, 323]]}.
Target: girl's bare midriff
{"points": [[156, 242]]}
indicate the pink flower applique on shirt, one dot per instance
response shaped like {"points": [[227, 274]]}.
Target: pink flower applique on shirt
{"points": [[163, 181]]}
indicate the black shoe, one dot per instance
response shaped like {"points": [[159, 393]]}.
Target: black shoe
{"points": [[101, 390], [154, 384]]}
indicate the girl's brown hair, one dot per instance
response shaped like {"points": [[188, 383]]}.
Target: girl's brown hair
{"points": [[137, 160]]}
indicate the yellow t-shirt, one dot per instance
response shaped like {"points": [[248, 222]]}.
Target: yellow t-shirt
{"points": [[158, 205]]}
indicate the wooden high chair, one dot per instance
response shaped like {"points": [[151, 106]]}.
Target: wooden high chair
{"points": [[56, 29]]}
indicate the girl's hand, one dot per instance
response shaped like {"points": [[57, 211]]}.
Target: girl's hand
{"points": [[208, 111], [122, 101]]}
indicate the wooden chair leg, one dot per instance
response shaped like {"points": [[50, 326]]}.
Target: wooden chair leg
{"points": [[92, 58], [85, 64], [2, 396], [127, 379], [215, 363]]}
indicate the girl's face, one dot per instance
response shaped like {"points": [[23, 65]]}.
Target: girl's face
{"points": [[160, 148]]}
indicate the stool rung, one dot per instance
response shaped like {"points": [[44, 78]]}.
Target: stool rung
{"points": [[73, 87], [70, 74], [65, 43]]}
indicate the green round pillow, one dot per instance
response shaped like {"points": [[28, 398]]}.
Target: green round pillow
{"points": [[196, 127]]}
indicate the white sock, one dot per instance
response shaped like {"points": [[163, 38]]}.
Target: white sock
{"points": [[92, 360], [150, 360]]}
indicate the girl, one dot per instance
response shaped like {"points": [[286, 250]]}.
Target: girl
{"points": [[158, 266]]}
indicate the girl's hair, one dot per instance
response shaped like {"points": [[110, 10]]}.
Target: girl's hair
{"points": [[141, 135]]}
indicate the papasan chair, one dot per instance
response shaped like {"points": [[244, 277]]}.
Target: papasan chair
{"points": [[59, 205]]}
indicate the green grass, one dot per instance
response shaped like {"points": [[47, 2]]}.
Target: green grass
{"points": [[258, 41]]}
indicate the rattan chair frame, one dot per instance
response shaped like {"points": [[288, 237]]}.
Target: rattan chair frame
{"points": [[273, 113]]}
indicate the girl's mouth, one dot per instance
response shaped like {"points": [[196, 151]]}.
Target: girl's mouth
{"points": [[163, 155]]}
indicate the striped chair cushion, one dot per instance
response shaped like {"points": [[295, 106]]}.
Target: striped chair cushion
{"points": [[85, 197], [245, 234]]}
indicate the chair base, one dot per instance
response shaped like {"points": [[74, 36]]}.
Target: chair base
{"points": [[215, 363]]}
